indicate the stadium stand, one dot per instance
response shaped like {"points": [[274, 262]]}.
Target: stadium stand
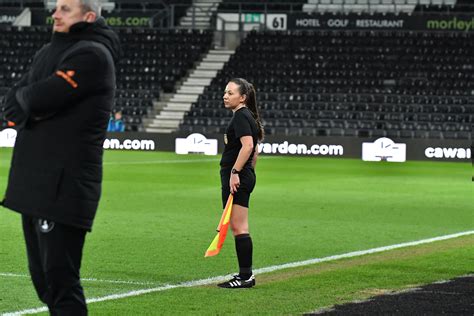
{"points": [[21, 3], [361, 6], [153, 61], [139, 4], [364, 83], [459, 6], [178, 7], [351, 83], [262, 5]]}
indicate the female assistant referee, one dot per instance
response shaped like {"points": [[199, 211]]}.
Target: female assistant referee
{"points": [[238, 171]]}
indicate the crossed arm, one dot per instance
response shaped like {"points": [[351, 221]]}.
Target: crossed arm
{"points": [[78, 75]]}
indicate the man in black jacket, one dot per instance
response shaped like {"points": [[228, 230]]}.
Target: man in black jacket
{"points": [[61, 108]]}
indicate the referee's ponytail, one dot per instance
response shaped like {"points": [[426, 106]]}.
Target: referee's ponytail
{"points": [[247, 89]]}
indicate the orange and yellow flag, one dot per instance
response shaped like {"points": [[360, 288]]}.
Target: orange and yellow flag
{"points": [[216, 244]]}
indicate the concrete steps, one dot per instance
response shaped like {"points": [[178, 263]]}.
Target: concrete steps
{"points": [[172, 110], [202, 10], [198, 81]]}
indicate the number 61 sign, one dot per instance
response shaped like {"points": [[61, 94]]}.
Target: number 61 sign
{"points": [[277, 22]]}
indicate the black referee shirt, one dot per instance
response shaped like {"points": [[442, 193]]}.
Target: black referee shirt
{"points": [[241, 124]]}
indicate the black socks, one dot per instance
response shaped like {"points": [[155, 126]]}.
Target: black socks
{"points": [[244, 248]]}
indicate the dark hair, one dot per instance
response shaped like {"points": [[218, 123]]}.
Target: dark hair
{"points": [[247, 89]]}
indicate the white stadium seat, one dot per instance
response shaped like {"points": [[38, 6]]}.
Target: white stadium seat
{"points": [[356, 8], [383, 8], [309, 7], [405, 8]]}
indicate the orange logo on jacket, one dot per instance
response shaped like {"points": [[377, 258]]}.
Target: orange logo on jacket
{"points": [[67, 76]]}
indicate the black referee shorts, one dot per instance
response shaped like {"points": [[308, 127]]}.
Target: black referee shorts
{"points": [[247, 183]]}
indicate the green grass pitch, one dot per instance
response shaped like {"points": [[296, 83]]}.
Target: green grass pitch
{"points": [[159, 212]]}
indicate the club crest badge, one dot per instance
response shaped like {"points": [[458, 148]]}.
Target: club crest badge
{"points": [[45, 226]]}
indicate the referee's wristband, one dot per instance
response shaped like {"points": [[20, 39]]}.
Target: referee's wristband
{"points": [[234, 171]]}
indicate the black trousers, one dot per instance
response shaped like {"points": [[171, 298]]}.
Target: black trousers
{"points": [[54, 259]]}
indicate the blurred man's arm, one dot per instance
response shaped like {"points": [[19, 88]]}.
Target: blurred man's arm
{"points": [[78, 76], [11, 108]]}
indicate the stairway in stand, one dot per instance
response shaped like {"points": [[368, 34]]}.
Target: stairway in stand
{"points": [[175, 107], [202, 10]]}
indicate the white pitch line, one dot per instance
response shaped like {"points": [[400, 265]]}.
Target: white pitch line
{"points": [[257, 271], [147, 162], [17, 275], [158, 162], [118, 281], [362, 252]]}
